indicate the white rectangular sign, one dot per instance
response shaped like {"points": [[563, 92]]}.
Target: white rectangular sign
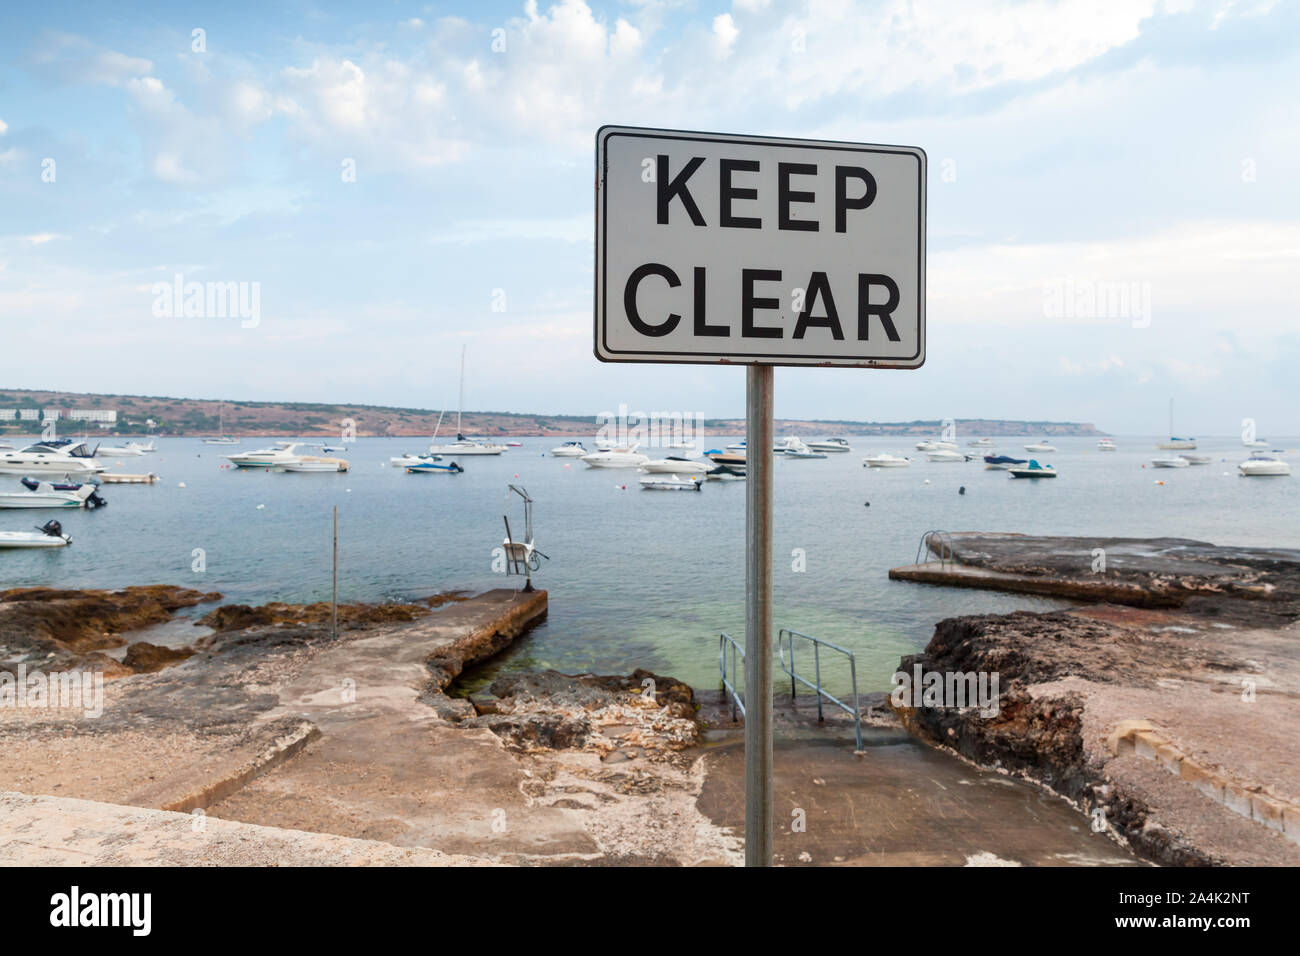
{"points": [[758, 250]]}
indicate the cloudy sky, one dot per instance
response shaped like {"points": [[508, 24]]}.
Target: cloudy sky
{"points": [[388, 172]]}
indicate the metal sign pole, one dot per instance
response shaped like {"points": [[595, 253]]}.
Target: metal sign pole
{"points": [[759, 439]]}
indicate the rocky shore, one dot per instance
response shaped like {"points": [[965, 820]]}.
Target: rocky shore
{"points": [[1170, 718]]}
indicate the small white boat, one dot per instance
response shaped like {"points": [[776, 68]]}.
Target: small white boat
{"points": [[49, 536], [1264, 466], [1252, 443], [831, 445], [116, 451], [405, 461], [46, 497], [737, 446], [616, 458], [886, 461], [463, 445], [570, 449], [221, 440], [333, 449], [794, 448], [944, 455], [1106, 444], [1198, 459], [676, 466], [1177, 444], [316, 466], [1033, 470], [282, 453], [1043, 445], [1169, 462], [671, 483], [936, 444], [980, 443], [142, 449]]}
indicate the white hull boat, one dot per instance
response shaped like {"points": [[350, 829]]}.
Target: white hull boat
{"points": [[1264, 466], [1198, 459], [284, 453], [49, 536], [1169, 462], [934, 444], [671, 483], [980, 443], [1255, 443], [886, 461], [113, 451], [434, 467], [833, 445], [49, 460], [616, 458], [223, 440], [945, 456], [570, 449], [46, 497], [676, 466], [1040, 446], [319, 466], [1106, 445], [1177, 444], [463, 445]]}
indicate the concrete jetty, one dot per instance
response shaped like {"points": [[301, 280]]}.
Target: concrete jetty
{"points": [[1167, 706]]}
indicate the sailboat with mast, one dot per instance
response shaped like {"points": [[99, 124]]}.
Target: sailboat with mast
{"points": [[463, 445], [1176, 443], [221, 437]]}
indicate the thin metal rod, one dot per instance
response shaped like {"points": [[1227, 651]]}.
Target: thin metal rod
{"points": [[334, 601], [759, 439]]}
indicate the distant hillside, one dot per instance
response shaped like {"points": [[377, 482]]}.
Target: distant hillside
{"points": [[190, 416]]}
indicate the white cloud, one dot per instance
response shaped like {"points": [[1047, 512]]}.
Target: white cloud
{"points": [[3, 126], [724, 34]]}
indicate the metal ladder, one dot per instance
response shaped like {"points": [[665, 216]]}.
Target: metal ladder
{"points": [[786, 637], [926, 548]]}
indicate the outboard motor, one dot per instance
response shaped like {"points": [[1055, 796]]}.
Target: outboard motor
{"points": [[95, 501], [53, 529]]}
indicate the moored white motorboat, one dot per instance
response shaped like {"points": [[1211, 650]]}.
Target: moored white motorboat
{"points": [[46, 497], [1033, 470], [616, 458], [1249, 443], [116, 451], [50, 458], [885, 460], [676, 466], [308, 465], [1198, 459], [1043, 445], [936, 444], [1177, 444], [50, 535], [1178, 462], [570, 449], [282, 453], [142, 449], [980, 443], [737, 446], [671, 483], [794, 448], [943, 455], [1264, 466], [403, 461], [1106, 444], [831, 445]]}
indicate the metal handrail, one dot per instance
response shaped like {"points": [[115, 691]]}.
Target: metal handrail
{"points": [[729, 685], [786, 634], [945, 552]]}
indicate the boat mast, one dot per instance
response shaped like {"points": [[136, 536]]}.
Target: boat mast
{"points": [[460, 406]]}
